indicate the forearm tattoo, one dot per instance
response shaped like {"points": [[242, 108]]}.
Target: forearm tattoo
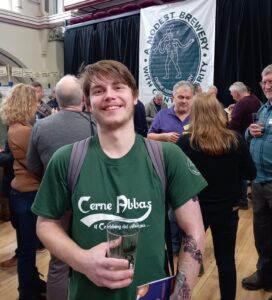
{"points": [[182, 287], [190, 245]]}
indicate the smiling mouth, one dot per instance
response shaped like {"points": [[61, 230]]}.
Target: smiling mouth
{"points": [[113, 107]]}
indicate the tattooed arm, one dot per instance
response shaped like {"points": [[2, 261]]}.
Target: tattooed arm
{"points": [[189, 218]]}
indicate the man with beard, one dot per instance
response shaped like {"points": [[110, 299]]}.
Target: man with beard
{"points": [[106, 189]]}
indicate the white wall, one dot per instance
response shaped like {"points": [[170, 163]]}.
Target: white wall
{"points": [[33, 8], [26, 7], [5, 4], [31, 48]]}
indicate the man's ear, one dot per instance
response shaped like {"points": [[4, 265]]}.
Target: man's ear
{"points": [[86, 104], [135, 101]]}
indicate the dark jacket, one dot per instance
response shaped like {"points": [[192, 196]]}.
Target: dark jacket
{"points": [[224, 174]]}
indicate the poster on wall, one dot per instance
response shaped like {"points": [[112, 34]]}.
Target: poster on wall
{"points": [[176, 43]]}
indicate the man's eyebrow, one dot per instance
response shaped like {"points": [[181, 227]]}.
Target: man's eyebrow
{"points": [[118, 82], [95, 85]]}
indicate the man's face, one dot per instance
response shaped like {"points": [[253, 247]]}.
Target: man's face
{"points": [[182, 100], [158, 100], [235, 96], [266, 85], [39, 93], [112, 103]]}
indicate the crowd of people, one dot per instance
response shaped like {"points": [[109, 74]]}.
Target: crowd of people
{"points": [[209, 159]]}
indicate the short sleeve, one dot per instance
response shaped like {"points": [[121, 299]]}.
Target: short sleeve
{"points": [[184, 181]]}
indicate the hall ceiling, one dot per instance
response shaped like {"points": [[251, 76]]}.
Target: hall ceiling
{"points": [[93, 6]]}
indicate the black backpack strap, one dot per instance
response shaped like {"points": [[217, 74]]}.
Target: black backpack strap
{"points": [[155, 153], [77, 157]]}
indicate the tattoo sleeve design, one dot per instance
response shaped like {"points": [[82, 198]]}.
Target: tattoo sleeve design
{"points": [[189, 244], [183, 290]]}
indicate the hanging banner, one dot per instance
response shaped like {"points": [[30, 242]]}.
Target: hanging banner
{"points": [[3, 71], [16, 72], [176, 43]]}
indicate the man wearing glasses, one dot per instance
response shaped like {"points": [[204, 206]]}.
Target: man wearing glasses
{"points": [[260, 133]]}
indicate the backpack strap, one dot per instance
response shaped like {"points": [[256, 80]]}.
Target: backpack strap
{"points": [[155, 152], [77, 157]]}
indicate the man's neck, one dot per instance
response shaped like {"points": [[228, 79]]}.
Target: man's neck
{"points": [[117, 143], [73, 108], [182, 116]]}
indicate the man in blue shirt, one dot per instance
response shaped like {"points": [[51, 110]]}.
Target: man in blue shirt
{"points": [[260, 133], [170, 123]]}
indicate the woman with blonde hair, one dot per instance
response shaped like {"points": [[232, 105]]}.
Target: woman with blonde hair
{"points": [[223, 159], [18, 111]]}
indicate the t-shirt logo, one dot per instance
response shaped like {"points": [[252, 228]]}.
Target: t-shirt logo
{"points": [[192, 168], [97, 212]]}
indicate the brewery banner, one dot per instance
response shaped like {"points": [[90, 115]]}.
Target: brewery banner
{"points": [[176, 43]]}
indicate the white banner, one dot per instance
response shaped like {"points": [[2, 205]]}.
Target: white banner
{"points": [[176, 43]]}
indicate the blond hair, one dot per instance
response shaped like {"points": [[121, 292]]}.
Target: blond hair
{"points": [[20, 105], [208, 128]]}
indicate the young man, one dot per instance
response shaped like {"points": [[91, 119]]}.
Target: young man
{"points": [[116, 165]]}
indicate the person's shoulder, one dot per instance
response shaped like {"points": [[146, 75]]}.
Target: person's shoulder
{"points": [[164, 105], [62, 155], [81, 116], [165, 112], [252, 98], [171, 149], [19, 128], [45, 121], [183, 140]]}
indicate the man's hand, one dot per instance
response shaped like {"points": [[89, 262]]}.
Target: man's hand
{"points": [[256, 130], [172, 137], [107, 272]]}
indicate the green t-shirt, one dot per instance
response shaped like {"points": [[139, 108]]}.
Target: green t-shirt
{"points": [[128, 187]]}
